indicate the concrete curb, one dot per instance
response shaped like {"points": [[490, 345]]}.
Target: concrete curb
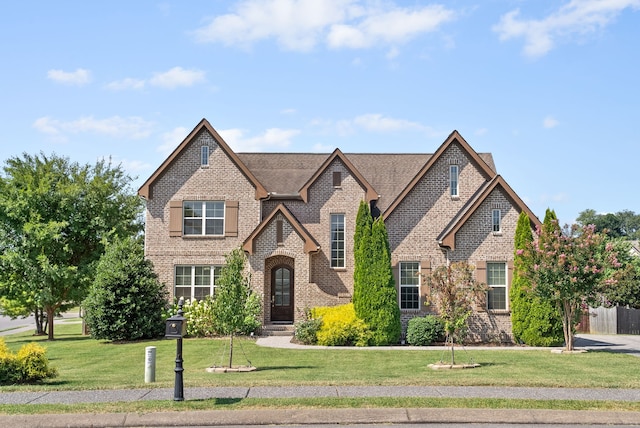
{"points": [[323, 416]]}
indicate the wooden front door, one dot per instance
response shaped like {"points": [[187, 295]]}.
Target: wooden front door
{"points": [[282, 294]]}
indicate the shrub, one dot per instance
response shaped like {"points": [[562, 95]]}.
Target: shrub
{"points": [[423, 331], [200, 317], [340, 326], [126, 299], [306, 331], [29, 365]]}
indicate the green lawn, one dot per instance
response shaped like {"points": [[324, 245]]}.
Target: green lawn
{"points": [[84, 363]]}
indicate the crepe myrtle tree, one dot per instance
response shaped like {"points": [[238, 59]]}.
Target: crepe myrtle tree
{"points": [[571, 267], [454, 293]]}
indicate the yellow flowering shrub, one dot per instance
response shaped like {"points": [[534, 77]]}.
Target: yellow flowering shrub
{"points": [[340, 326]]}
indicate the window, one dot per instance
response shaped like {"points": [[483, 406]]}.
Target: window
{"points": [[337, 241], [495, 221], [204, 156], [279, 232], [453, 179], [409, 285], [337, 179], [203, 217], [196, 282], [497, 282]]}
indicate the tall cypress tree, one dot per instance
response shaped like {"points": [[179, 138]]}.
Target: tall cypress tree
{"points": [[362, 255], [534, 322]]}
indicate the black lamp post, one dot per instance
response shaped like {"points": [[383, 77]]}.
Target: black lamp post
{"points": [[176, 329]]}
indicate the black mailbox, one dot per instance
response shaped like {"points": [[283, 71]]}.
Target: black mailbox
{"points": [[176, 327]]}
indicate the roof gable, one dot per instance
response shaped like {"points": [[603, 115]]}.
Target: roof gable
{"points": [[371, 194], [453, 138], [310, 244], [204, 125], [448, 236]]}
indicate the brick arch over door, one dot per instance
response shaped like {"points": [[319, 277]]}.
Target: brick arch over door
{"points": [[279, 288]]}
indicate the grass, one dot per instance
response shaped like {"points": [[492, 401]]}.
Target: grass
{"points": [[84, 363]]}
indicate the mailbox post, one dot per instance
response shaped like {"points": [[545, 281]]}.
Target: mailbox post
{"points": [[176, 329]]}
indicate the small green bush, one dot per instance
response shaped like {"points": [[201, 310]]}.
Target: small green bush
{"points": [[340, 326], [423, 331], [306, 331], [29, 365]]}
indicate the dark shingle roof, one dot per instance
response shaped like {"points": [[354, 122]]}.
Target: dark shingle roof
{"points": [[388, 173]]}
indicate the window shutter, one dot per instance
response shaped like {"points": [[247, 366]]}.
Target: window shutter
{"points": [[175, 218], [231, 218], [395, 271], [337, 179], [481, 276]]}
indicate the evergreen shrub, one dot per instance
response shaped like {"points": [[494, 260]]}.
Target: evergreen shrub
{"points": [[340, 326], [423, 331]]}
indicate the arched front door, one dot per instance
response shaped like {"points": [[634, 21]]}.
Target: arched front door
{"points": [[282, 293]]}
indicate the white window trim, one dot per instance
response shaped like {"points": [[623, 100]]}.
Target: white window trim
{"points": [[204, 219], [505, 286], [498, 223], [212, 285], [418, 286], [204, 156], [454, 181], [344, 241]]}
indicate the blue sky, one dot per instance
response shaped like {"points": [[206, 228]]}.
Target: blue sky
{"points": [[551, 88]]}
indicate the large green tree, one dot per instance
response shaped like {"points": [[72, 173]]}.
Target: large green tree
{"points": [[362, 256], [625, 223], [126, 299], [56, 216], [534, 321]]}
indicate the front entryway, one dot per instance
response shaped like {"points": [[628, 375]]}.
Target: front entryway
{"points": [[282, 293]]}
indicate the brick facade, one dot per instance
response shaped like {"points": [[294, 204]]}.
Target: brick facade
{"points": [[423, 212]]}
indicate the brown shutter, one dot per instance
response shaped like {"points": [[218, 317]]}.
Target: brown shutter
{"points": [[425, 289], [175, 218], [337, 179], [279, 239], [395, 271], [481, 276], [231, 218]]}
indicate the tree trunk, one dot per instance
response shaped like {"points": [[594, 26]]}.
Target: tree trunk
{"points": [[230, 350], [50, 315], [39, 316], [453, 360]]}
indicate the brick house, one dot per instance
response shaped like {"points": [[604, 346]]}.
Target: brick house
{"points": [[294, 215]]}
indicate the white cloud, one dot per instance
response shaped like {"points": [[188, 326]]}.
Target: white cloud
{"points": [[171, 140], [380, 123], [177, 76], [125, 84], [550, 122], [321, 148], [116, 126], [578, 17], [80, 77], [300, 25], [271, 139]]}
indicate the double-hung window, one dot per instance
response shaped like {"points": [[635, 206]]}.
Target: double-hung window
{"points": [[495, 220], [497, 282], [409, 285], [337, 241], [204, 156], [196, 282], [203, 218], [453, 180]]}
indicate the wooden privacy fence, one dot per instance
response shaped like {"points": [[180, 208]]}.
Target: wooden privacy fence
{"points": [[616, 320]]}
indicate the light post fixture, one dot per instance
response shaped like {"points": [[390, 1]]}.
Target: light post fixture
{"points": [[176, 328]]}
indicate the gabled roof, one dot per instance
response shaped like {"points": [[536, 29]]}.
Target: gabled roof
{"points": [[310, 244], [453, 138], [448, 236], [371, 194], [204, 125]]}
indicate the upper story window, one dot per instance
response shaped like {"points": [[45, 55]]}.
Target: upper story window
{"points": [[497, 282], [496, 216], [337, 179], [409, 285], [204, 156], [453, 180], [337, 241], [203, 217], [196, 282]]}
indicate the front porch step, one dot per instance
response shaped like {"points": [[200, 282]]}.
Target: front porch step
{"points": [[278, 330]]}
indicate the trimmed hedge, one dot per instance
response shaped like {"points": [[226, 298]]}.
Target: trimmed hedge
{"points": [[423, 331]]}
